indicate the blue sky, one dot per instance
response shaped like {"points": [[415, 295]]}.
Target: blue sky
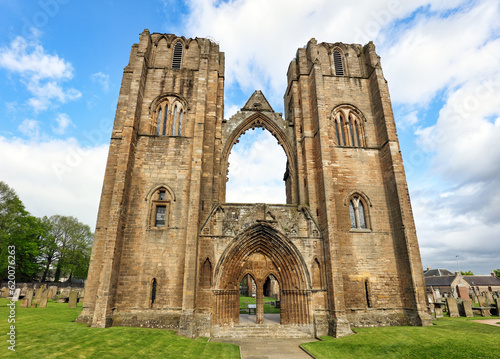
{"points": [[61, 64]]}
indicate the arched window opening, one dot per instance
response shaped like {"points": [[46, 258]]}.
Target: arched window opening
{"points": [[180, 123], [338, 63], [357, 213], [351, 131], [348, 126], [153, 292], [357, 134], [160, 205], [158, 123], [174, 121], [165, 116], [342, 134], [177, 57], [257, 169], [169, 123], [337, 132]]}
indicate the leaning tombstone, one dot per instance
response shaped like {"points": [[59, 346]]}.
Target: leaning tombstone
{"points": [[481, 299], [467, 308], [29, 296], [73, 296], [43, 299], [35, 303], [24, 290], [24, 302], [452, 307], [489, 298]]}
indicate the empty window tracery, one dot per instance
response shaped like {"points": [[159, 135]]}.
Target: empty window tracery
{"points": [[348, 127], [357, 212], [169, 117]]}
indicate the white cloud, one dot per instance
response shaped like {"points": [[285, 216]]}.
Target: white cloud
{"points": [[30, 128], [41, 72], [63, 122], [256, 168], [55, 177], [101, 79]]}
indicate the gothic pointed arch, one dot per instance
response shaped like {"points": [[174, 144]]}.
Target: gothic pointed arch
{"points": [[281, 259], [258, 120]]}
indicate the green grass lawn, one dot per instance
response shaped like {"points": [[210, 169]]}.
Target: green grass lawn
{"points": [[244, 301], [447, 338], [52, 333]]}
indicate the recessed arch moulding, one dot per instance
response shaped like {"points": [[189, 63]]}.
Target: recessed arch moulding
{"points": [[257, 113]]}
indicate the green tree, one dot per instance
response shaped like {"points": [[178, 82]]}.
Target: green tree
{"points": [[21, 231], [497, 272], [466, 272], [73, 240]]}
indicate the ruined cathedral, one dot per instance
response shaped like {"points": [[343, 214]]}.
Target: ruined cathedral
{"points": [[169, 252]]}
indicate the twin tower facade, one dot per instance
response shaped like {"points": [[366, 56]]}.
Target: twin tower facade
{"points": [[169, 252]]}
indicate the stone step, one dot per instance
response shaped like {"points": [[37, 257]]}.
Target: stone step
{"points": [[264, 331]]}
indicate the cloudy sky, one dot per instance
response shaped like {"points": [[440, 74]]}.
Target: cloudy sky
{"points": [[61, 64]]}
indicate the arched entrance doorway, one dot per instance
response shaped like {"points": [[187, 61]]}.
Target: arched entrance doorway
{"points": [[261, 251]]}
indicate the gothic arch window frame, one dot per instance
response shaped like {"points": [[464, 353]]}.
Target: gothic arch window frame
{"points": [[320, 277], [160, 201], [348, 125], [351, 202], [204, 285], [338, 61], [168, 113]]}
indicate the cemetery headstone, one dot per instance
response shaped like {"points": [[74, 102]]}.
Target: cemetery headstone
{"points": [[452, 307], [16, 295], [43, 299], [29, 297], [24, 302], [73, 296], [467, 308], [489, 298]]}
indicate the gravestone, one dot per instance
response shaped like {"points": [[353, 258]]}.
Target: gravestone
{"points": [[16, 295], [35, 303], [73, 296], [5, 292], [53, 291], [24, 302], [467, 308], [38, 293], [438, 310], [452, 307], [24, 290], [29, 297], [43, 299], [498, 306], [489, 298], [481, 299], [463, 293]]}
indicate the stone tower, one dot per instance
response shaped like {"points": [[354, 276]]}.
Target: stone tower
{"points": [[169, 252]]}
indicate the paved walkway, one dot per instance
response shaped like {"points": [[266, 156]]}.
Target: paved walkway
{"points": [[489, 321], [268, 348]]}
